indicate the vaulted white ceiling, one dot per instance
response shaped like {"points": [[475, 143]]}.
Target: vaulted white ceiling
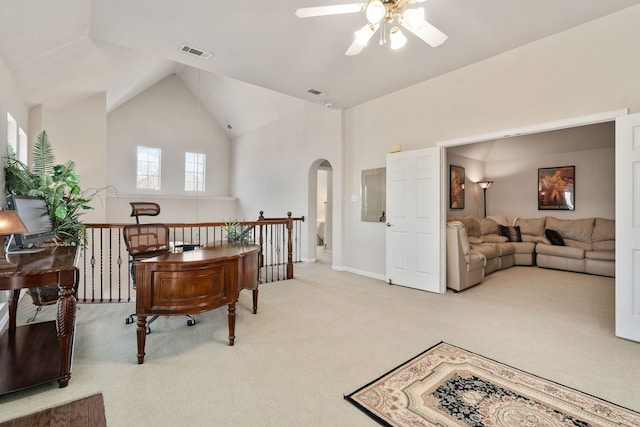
{"points": [[264, 58]]}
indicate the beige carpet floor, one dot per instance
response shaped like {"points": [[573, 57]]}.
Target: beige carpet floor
{"points": [[325, 334]]}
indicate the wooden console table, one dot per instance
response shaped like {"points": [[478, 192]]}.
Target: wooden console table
{"points": [[39, 353], [193, 282]]}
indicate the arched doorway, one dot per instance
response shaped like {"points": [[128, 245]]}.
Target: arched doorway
{"points": [[320, 209]]}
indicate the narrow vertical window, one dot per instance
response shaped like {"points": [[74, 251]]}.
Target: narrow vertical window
{"points": [[23, 143], [148, 168], [194, 167], [12, 134]]}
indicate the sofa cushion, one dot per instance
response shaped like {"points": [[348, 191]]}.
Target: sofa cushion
{"points": [[602, 255], [604, 229], [511, 232], [505, 249], [560, 251], [488, 250], [494, 238], [554, 237], [503, 219], [475, 240], [524, 247], [575, 229], [535, 239], [533, 226], [488, 226], [605, 245], [587, 246]]}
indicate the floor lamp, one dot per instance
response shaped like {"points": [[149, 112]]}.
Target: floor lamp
{"points": [[484, 185]]}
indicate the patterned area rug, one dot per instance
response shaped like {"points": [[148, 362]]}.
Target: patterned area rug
{"points": [[448, 386]]}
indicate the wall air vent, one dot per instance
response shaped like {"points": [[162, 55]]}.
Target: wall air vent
{"points": [[195, 51], [316, 92]]}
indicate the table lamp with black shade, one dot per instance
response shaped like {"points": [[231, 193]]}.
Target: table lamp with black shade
{"points": [[10, 223]]}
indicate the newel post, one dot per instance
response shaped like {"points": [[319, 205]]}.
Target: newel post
{"points": [[289, 246], [261, 241]]}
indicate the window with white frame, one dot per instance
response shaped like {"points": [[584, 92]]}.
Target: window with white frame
{"points": [[148, 168], [194, 168], [17, 139], [23, 143], [12, 133]]}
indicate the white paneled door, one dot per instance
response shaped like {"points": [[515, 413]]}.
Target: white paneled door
{"points": [[628, 227], [413, 220]]}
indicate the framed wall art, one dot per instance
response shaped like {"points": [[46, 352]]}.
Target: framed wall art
{"points": [[556, 188], [456, 187]]}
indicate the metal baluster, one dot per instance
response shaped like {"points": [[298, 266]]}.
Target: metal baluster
{"points": [[119, 261], [93, 265]]}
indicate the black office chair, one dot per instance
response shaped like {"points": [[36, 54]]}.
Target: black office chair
{"points": [[146, 241]]}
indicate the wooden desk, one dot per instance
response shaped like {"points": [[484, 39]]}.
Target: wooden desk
{"points": [[39, 353], [194, 281]]}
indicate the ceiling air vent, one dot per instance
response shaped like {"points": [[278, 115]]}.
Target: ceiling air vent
{"points": [[195, 51], [316, 92]]}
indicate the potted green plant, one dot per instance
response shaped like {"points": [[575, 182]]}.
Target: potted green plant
{"points": [[58, 184], [237, 234]]}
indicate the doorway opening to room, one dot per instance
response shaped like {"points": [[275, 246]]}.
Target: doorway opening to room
{"points": [[321, 212], [512, 165], [512, 162]]}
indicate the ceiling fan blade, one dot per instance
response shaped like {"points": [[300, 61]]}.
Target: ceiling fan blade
{"points": [[427, 32], [363, 35], [307, 12], [354, 49]]}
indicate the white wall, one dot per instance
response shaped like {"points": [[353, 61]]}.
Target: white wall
{"points": [[473, 197], [515, 189], [512, 164], [78, 132], [272, 165], [10, 102], [168, 116], [585, 70]]}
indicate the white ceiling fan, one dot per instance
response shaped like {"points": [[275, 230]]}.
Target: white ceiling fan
{"points": [[385, 13]]}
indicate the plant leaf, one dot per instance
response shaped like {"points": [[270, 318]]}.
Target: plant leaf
{"points": [[43, 158]]}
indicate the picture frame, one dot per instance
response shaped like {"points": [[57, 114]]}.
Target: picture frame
{"points": [[556, 188], [456, 187]]}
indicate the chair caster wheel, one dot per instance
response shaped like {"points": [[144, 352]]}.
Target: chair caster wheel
{"points": [[191, 322], [129, 320]]}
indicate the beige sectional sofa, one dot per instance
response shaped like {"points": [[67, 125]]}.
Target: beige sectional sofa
{"points": [[589, 246], [580, 245]]}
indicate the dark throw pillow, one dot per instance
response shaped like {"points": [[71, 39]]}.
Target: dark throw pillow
{"points": [[511, 232], [554, 237]]}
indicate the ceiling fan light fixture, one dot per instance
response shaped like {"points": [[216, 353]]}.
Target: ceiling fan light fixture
{"points": [[398, 40], [364, 34], [375, 11]]}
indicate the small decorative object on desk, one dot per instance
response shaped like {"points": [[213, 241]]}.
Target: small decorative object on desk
{"points": [[238, 234]]}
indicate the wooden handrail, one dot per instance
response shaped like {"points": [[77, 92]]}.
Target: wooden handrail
{"points": [[103, 259]]}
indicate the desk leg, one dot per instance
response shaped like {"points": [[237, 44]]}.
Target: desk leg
{"points": [[255, 301], [65, 325], [142, 337], [232, 323], [13, 297]]}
